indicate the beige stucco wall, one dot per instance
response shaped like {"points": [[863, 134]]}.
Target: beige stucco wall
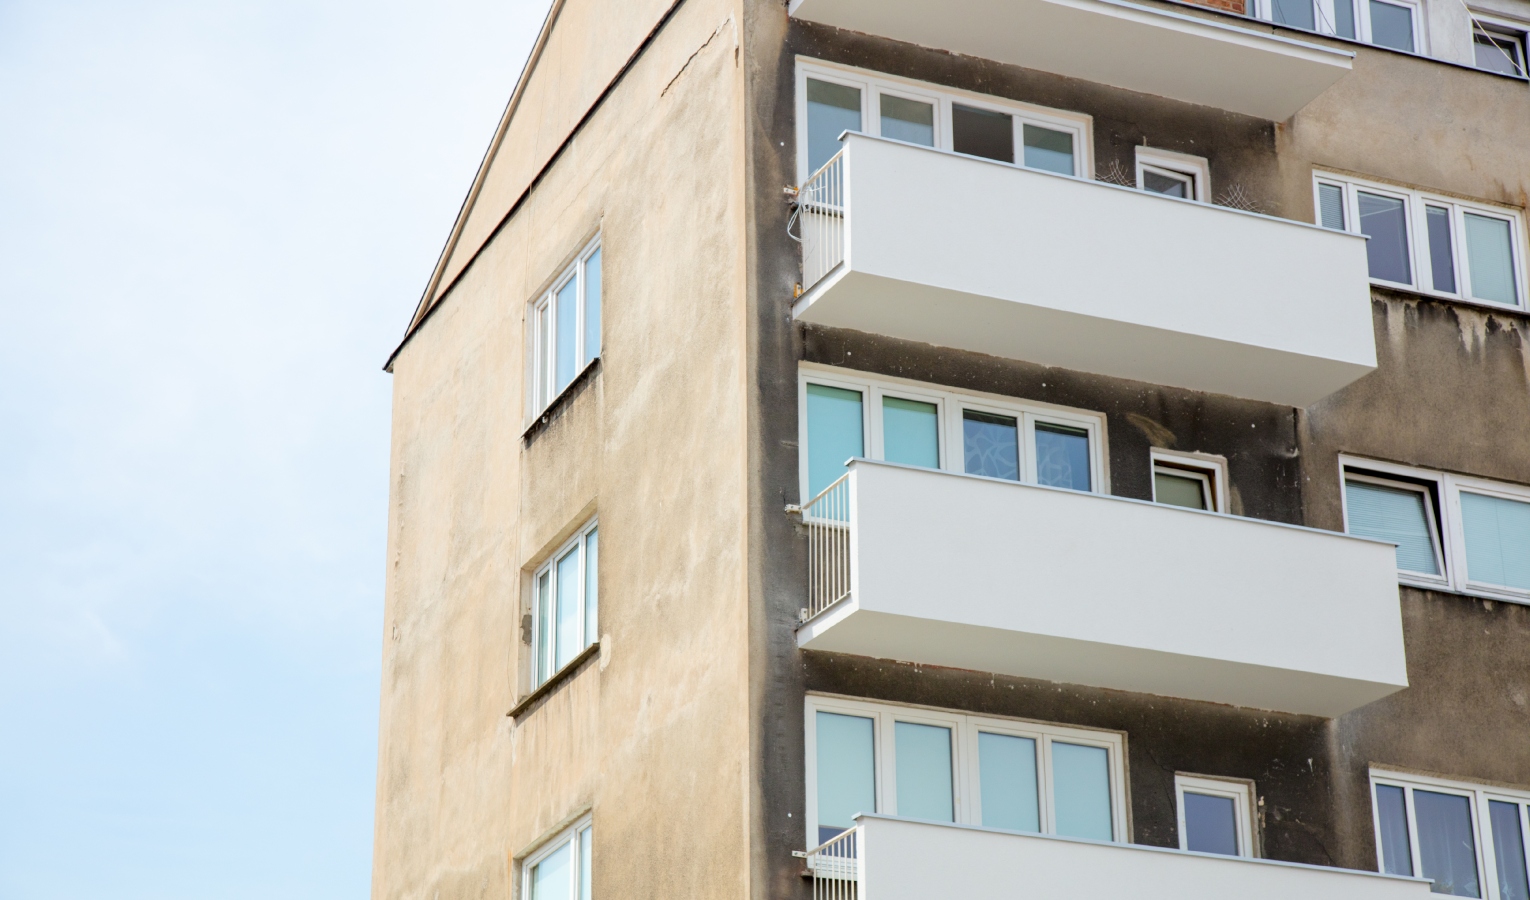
{"points": [[651, 736]]}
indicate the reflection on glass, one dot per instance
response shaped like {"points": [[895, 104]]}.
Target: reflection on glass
{"points": [[979, 132], [1442, 263], [1397, 515], [568, 333], [910, 432], [1490, 259], [1509, 850], [592, 307], [908, 120], [991, 445], [591, 587], [551, 879], [1211, 824], [1049, 150], [544, 626], [1447, 851], [846, 775], [1062, 456], [1081, 790], [1296, 13], [832, 110], [1179, 490], [1007, 776], [1391, 812], [1497, 540], [1165, 184], [924, 772], [834, 434], [1384, 221], [567, 633], [1391, 26]]}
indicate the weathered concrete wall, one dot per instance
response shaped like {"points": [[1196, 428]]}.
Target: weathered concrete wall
{"points": [[652, 736]]}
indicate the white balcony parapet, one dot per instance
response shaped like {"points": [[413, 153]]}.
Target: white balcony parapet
{"points": [[899, 859], [1038, 582], [931, 246], [1151, 51]]}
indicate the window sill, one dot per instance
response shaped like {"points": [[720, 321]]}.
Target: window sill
{"points": [[555, 408], [1482, 305], [1471, 593], [551, 685]]}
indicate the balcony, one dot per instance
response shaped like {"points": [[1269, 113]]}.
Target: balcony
{"points": [[892, 859], [997, 576], [930, 246], [1151, 51]]}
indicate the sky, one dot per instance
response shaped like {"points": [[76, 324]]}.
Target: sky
{"points": [[215, 219]]}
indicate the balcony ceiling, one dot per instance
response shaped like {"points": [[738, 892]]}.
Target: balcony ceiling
{"points": [[1107, 41]]}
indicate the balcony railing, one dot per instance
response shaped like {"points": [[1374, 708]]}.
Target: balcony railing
{"points": [[836, 868], [827, 520], [821, 212]]}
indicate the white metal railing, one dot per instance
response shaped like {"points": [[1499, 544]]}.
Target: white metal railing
{"points": [[821, 211], [836, 867], [827, 519]]}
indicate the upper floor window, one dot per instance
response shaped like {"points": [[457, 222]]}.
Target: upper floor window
{"points": [[1386, 23], [1173, 174], [1451, 531], [835, 99], [1498, 46], [561, 870], [1191, 480], [845, 414], [565, 604], [1216, 815], [1427, 242], [943, 766], [566, 328], [1469, 839]]}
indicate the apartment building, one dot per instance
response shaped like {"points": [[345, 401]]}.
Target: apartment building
{"points": [[884, 449]]}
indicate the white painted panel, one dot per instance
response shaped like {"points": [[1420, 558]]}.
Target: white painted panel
{"points": [[1122, 44]]}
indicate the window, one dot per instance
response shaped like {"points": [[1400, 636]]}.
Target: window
{"points": [[1498, 46], [1215, 815], [1469, 839], [942, 766], [566, 326], [565, 604], [562, 869], [1453, 532], [836, 99], [1191, 480], [846, 414], [1385, 23], [1432, 244], [1173, 174]]}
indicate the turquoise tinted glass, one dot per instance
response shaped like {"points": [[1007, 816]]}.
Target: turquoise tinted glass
{"points": [[552, 878], [1081, 790], [568, 634], [909, 433], [991, 445], [924, 771], [846, 775], [592, 306], [834, 434], [1392, 816], [591, 587], [832, 110], [908, 120], [1509, 848], [568, 334], [1062, 457], [1007, 782], [1490, 259], [1049, 150], [1497, 540], [1447, 850], [1397, 515]]}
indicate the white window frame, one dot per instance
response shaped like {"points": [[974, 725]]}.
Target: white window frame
{"points": [[1498, 26], [1239, 790], [966, 790], [542, 312], [1450, 541], [1482, 827], [949, 406], [1211, 469], [574, 836], [1431, 511], [1419, 258], [873, 84], [1195, 169], [1327, 21], [549, 567]]}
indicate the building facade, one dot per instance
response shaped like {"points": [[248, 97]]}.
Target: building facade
{"points": [[890, 449]]}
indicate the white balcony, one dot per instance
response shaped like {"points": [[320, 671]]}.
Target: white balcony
{"points": [[944, 249], [893, 859], [1151, 51], [996, 576]]}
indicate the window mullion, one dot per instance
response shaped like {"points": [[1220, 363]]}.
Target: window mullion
{"points": [[1413, 849]]}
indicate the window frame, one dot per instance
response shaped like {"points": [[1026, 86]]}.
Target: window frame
{"points": [[1419, 256], [873, 84], [1326, 19], [549, 567], [1500, 27], [966, 790], [1183, 165], [1208, 466], [542, 354], [574, 836], [1241, 791], [950, 403], [1478, 793], [1432, 511]]}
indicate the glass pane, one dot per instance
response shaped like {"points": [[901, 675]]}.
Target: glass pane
{"points": [[586, 857], [1499, 53], [1392, 814], [1509, 850], [1165, 184], [832, 110], [592, 588], [1081, 791], [1489, 259], [846, 774], [924, 772], [1062, 457], [1391, 26], [568, 632], [544, 627], [551, 879], [544, 356], [592, 307], [1179, 490], [567, 334], [1007, 782], [1331, 206], [834, 434], [1442, 262], [909, 433], [908, 120], [1344, 18], [1447, 852], [1497, 540], [978, 132], [1383, 220], [1298, 13], [1397, 515], [1211, 824], [991, 445], [1049, 150]]}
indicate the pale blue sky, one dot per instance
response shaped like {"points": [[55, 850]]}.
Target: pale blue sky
{"points": [[215, 218]]}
